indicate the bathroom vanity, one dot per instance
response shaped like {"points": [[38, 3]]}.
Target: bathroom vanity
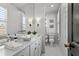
{"points": [[28, 48]]}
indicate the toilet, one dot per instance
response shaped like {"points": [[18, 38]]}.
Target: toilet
{"points": [[51, 42]]}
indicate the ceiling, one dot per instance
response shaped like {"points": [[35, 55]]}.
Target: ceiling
{"points": [[47, 6]]}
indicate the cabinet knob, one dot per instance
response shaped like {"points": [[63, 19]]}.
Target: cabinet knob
{"points": [[35, 48]]}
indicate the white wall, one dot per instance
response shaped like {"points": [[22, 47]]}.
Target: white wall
{"points": [[63, 28], [51, 31], [34, 13], [14, 18]]}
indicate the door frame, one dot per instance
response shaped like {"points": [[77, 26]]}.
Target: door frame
{"points": [[70, 26]]}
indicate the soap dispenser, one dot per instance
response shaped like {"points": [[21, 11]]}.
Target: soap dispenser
{"points": [[8, 36], [15, 37]]}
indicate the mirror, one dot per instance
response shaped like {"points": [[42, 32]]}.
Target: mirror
{"points": [[23, 22]]}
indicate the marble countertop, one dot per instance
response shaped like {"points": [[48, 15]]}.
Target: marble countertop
{"points": [[8, 52]]}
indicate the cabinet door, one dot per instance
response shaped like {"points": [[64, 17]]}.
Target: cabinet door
{"points": [[36, 52], [32, 49], [39, 46], [24, 52], [36, 48]]}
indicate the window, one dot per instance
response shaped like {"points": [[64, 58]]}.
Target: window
{"points": [[3, 21], [23, 23]]}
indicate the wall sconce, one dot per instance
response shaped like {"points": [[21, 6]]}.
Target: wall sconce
{"points": [[38, 20], [30, 21]]}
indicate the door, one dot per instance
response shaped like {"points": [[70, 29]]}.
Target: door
{"points": [[73, 29]]}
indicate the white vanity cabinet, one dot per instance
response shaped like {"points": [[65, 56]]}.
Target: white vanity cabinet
{"points": [[24, 52], [39, 46], [35, 47]]}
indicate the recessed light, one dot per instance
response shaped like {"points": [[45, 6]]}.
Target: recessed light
{"points": [[51, 5]]}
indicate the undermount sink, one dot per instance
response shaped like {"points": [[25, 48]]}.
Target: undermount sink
{"points": [[12, 45], [25, 36], [3, 41]]}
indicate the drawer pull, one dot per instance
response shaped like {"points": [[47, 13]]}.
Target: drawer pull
{"points": [[35, 48]]}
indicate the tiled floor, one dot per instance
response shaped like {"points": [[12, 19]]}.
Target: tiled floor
{"points": [[52, 51]]}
